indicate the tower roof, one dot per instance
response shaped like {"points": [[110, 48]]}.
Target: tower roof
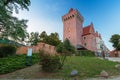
{"points": [[88, 29]]}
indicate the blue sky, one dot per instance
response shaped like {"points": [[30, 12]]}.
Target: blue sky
{"points": [[45, 15]]}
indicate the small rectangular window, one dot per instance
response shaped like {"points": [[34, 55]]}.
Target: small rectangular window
{"points": [[85, 44], [84, 38]]}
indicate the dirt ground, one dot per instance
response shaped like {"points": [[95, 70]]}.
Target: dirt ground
{"points": [[31, 72], [34, 72]]}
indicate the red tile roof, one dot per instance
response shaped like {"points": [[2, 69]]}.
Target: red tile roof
{"points": [[89, 30], [86, 30]]}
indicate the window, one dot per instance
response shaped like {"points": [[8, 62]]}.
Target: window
{"points": [[85, 44], [72, 15], [69, 31], [84, 38]]}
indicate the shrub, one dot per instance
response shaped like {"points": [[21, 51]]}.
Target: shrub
{"points": [[50, 63], [7, 50], [85, 53], [13, 63]]}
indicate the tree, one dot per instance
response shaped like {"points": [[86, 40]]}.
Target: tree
{"points": [[43, 36], [8, 6], [33, 38], [69, 47], [11, 25], [65, 49], [16, 30], [52, 39], [115, 39]]}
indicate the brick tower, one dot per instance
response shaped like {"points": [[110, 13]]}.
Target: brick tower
{"points": [[73, 30]]}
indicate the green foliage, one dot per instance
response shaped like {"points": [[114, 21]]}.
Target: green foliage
{"points": [[65, 49], [13, 63], [7, 50], [85, 53], [15, 4], [16, 29], [43, 37], [68, 47], [33, 38], [60, 48], [52, 39], [50, 63], [12, 26], [115, 39]]}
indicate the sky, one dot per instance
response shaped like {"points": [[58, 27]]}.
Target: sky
{"points": [[46, 15]]}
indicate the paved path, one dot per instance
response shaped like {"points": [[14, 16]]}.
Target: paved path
{"points": [[112, 78], [26, 73], [113, 59]]}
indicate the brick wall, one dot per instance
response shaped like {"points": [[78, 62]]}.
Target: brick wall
{"points": [[41, 46], [115, 53]]}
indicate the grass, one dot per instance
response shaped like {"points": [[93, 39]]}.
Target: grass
{"points": [[87, 67], [12, 63]]}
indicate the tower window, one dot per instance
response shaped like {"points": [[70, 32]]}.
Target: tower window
{"points": [[68, 29], [68, 17], [84, 38], [72, 15], [85, 44]]}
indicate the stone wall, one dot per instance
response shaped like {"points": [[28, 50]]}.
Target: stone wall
{"points": [[40, 46]]}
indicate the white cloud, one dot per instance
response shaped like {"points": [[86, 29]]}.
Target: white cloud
{"points": [[39, 23]]}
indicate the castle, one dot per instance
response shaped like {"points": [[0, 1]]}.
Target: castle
{"points": [[79, 36]]}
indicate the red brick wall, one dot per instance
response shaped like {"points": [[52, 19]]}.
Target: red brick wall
{"points": [[22, 50], [115, 53], [90, 42], [41, 46]]}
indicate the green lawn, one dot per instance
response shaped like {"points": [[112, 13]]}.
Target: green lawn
{"points": [[12, 63], [87, 67]]}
